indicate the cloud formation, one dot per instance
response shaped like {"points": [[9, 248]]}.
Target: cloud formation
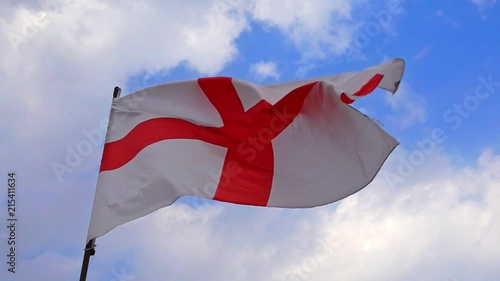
{"points": [[483, 4], [411, 231], [408, 108], [439, 227], [263, 70]]}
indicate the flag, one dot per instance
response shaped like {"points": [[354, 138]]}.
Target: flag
{"points": [[292, 145]]}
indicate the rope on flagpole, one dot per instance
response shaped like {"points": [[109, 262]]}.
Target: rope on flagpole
{"points": [[90, 247]]}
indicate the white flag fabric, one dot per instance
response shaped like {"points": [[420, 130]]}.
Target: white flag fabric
{"points": [[291, 145]]}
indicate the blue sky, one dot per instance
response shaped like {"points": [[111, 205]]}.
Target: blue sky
{"points": [[435, 219]]}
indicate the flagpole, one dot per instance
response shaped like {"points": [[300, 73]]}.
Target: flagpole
{"points": [[89, 251], [90, 247]]}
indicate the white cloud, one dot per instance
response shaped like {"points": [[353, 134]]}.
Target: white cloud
{"points": [[447, 19], [316, 27], [263, 70], [408, 232], [483, 4], [408, 108], [51, 265], [324, 29], [439, 225], [423, 52], [81, 49]]}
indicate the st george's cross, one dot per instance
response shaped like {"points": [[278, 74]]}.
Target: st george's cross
{"points": [[296, 145], [258, 126]]}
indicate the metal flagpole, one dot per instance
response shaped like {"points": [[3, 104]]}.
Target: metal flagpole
{"points": [[90, 247]]}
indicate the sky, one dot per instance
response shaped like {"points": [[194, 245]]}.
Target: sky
{"points": [[432, 213]]}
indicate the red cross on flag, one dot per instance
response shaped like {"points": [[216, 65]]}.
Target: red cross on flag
{"points": [[293, 145]]}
